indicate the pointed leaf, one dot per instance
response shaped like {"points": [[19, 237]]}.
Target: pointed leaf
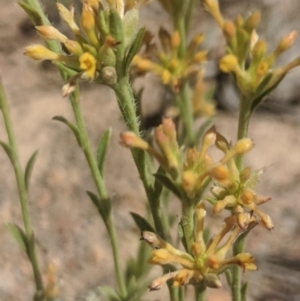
{"points": [[32, 13], [8, 150], [102, 149], [110, 293], [157, 184], [181, 236], [228, 276], [103, 205], [142, 223], [134, 48], [244, 291], [29, 168], [168, 183], [71, 126], [19, 235]]}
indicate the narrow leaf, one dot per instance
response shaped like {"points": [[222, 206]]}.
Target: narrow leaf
{"points": [[134, 48], [8, 150], [110, 293], [157, 184], [19, 235], [29, 168], [71, 126], [103, 205], [168, 183], [142, 223], [244, 291], [228, 276], [102, 149], [32, 13]]}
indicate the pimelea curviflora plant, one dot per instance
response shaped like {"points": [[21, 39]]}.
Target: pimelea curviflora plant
{"points": [[108, 47]]}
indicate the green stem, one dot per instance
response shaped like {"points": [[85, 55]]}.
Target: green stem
{"points": [[126, 102], [243, 124], [99, 182], [200, 292], [238, 246], [186, 113], [23, 195], [187, 223]]}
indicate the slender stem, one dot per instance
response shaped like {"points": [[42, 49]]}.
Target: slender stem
{"points": [[187, 223], [238, 247], [126, 102], [23, 196], [243, 124], [99, 182], [186, 111], [200, 292]]}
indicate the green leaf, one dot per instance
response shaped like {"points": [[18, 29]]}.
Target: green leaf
{"points": [[157, 184], [163, 179], [71, 126], [8, 150], [19, 235], [104, 28], [228, 276], [32, 13], [103, 205], [244, 290], [102, 149], [208, 123], [142, 223], [117, 32], [134, 48], [110, 293], [181, 236], [29, 168]]}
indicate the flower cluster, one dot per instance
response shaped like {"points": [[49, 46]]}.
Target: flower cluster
{"points": [[189, 170], [188, 173], [207, 259], [236, 192], [247, 56], [168, 62], [104, 32]]}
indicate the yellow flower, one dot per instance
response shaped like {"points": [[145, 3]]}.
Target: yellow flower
{"points": [[39, 52], [228, 63], [88, 64]]}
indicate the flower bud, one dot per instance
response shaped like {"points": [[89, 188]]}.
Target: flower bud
{"points": [[220, 173], [88, 23], [245, 174], [247, 197], [68, 17], [252, 21], [51, 33], [175, 40], [228, 63], [130, 139], [286, 42], [39, 52], [73, 47], [200, 56], [259, 50], [243, 146], [229, 29]]}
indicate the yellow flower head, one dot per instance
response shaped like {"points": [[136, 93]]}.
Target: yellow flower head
{"points": [[88, 64]]}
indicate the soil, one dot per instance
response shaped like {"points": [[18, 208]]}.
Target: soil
{"points": [[69, 232]]}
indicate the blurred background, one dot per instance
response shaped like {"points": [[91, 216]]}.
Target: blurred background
{"points": [[69, 232]]}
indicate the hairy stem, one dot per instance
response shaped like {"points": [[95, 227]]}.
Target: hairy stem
{"points": [[186, 113], [126, 102], [99, 182], [23, 195]]}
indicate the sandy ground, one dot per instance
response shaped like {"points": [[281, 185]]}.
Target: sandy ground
{"points": [[69, 231]]}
